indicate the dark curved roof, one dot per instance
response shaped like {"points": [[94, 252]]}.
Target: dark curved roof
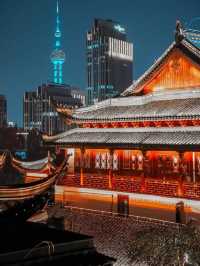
{"points": [[9, 175], [131, 137]]}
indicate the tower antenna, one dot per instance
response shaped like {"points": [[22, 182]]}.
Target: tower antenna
{"points": [[58, 55]]}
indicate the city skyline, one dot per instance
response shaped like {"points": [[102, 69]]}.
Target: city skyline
{"points": [[28, 34]]}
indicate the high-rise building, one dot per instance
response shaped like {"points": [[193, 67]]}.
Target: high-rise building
{"points": [[3, 111], [192, 32], [78, 94], [109, 60], [58, 56], [39, 107], [193, 35]]}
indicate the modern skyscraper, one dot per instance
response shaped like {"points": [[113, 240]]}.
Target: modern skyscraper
{"points": [[3, 111], [58, 56], [39, 107], [193, 35], [109, 60], [192, 31]]}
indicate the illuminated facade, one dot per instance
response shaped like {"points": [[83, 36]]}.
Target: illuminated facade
{"points": [[145, 143], [58, 56], [3, 111], [194, 36], [192, 32], [109, 61], [39, 107]]}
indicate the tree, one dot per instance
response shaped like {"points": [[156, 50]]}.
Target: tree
{"points": [[167, 246]]}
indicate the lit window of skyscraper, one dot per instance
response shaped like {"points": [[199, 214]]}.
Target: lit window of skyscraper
{"points": [[109, 61]]}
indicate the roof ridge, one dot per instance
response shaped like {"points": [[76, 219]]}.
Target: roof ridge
{"points": [[137, 130]]}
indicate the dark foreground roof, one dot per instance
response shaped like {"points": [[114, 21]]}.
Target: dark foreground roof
{"points": [[31, 243], [131, 137]]}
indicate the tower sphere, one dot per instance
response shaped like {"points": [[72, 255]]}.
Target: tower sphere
{"points": [[58, 56]]}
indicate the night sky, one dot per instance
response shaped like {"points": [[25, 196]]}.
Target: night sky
{"points": [[27, 28]]}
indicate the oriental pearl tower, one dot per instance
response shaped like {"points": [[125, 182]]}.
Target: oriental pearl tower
{"points": [[58, 56]]}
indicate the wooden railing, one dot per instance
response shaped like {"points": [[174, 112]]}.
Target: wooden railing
{"points": [[153, 186], [134, 218]]}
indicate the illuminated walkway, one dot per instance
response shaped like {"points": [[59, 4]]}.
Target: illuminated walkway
{"points": [[157, 207], [112, 233]]}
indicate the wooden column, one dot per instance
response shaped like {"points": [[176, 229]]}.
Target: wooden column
{"points": [[110, 175], [193, 167], [82, 166], [181, 173], [143, 185]]}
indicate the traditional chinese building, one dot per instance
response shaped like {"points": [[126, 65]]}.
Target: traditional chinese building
{"points": [[147, 142]]}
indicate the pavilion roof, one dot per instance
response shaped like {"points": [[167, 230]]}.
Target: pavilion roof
{"points": [[34, 165], [14, 171], [14, 188], [130, 137], [180, 105]]}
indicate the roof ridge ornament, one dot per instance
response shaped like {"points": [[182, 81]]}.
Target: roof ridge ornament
{"points": [[179, 35]]}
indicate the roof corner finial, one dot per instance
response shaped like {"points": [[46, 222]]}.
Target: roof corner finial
{"points": [[179, 32]]}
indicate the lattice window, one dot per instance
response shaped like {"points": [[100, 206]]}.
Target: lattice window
{"points": [[103, 161], [98, 161], [109, 158], [115, 161]]}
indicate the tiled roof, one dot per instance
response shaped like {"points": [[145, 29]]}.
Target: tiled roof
{"points": [[131, 136], [165, 109]]}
